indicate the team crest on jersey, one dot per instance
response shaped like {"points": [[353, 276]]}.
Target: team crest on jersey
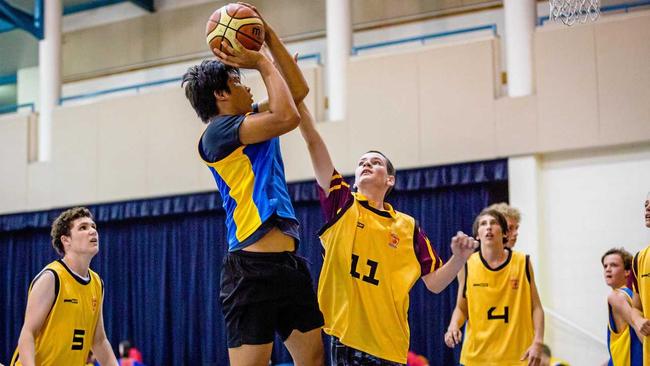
{"points": [[94, 304], [394, 240], [514, 283]]}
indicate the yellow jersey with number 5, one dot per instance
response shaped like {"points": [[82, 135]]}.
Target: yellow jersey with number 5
{"points": [[500, 324], [68, 331]]}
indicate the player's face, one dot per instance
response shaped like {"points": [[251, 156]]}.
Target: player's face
{"points": [[614, 271], [372, 171], [84, 238], [647, 211], [489, 230], [513, 231], [240, 95]]}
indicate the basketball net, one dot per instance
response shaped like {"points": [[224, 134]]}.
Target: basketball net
{"points": [[571, 11]]}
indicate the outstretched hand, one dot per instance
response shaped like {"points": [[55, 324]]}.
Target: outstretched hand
{"points": [[238, 56], [463, 245]]}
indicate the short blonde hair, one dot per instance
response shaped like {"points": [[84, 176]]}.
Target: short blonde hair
{"points": [[506, 210]]}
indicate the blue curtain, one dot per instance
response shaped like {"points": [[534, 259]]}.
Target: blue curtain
{"points": [[160, 261]]}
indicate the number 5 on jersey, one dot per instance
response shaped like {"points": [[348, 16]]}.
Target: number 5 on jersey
{"points": [[78, 339]]}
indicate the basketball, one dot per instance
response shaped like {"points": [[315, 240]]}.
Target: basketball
{"points": [[234, 21]]}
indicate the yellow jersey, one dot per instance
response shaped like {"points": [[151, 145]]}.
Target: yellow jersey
{"points": [[372, 260], [69, 329], [641, 285], [500, 323]]}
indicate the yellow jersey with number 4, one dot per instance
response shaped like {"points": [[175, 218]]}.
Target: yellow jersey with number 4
{"points": [[500, 324], [68, 331]]}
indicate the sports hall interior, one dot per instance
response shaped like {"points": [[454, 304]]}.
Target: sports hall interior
{"points": [[426, 82]]}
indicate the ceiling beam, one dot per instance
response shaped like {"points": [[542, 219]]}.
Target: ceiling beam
{"points": [[11, 16]]}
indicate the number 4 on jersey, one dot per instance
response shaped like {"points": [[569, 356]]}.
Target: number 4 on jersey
{"points": [[492, 316]]}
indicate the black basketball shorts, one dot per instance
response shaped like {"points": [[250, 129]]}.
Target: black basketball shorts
{"points": [[265, 293]]}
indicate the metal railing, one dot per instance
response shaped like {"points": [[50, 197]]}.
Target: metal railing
{"points": [[425, 37], [606, 9], [15, 107]]}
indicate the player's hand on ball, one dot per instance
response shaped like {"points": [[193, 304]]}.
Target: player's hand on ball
{"points": [[463, 245], [453, 337], [238, 57], [533, 354]]}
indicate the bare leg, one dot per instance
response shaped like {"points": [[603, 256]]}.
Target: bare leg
{"points": [[251, 355], [306, 349]]}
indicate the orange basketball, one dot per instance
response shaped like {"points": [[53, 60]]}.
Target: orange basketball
{"points": [[234, 21]]}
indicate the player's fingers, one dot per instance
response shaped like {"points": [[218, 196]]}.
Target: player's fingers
{"points": [[524, 357], [474, 243], [228, 49], [295, 57], [456, 336]]}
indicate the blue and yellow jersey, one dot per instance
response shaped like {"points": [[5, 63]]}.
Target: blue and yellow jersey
{"points": [[641, 285], [372, 260], [499, 325], [69, 329], [625, 348], [251, 181]]}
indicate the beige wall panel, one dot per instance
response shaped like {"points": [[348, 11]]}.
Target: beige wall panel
{"points": [[13, 162], [122, 147], [516, 125], [75, 140], [566, 87], [457, 103], [383, 106], [172, 160], [39, 186], [623, 57]]}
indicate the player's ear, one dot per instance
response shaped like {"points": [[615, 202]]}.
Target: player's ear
{"points": [[221, 95]]}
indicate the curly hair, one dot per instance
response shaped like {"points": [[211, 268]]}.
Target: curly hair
{"points": [[62, 225], [200, 83], [501, 219]]}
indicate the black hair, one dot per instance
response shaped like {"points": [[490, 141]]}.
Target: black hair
{"points": [[202, 81]]}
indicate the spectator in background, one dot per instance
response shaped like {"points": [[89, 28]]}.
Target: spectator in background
{"points": [[129, 355], [549, 360], [413, 359]]}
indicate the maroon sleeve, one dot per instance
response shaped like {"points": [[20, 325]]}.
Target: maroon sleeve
{"points": [[427, 256], [339, 195]]}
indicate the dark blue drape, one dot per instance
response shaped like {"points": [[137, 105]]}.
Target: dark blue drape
{"points": [[160, 261]]}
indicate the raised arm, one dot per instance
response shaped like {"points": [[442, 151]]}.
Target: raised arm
{"points": [[320, 156], [534, 352], [453, 336], [40, 301], [282, 114], [462, 246], [285, 62], [101, 347]]}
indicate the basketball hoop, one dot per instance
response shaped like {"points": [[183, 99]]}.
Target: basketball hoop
{"points": [[571, 11]]}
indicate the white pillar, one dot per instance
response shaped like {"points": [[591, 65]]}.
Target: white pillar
{"points": [[524, 190], [339, 46], [49, 60], [520, 17]]}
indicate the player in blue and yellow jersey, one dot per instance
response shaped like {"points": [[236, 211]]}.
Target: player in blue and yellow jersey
{"points": [[498, 300], [624, 345], [63, 319], [640, 281], [373, 257], [265, 287]]}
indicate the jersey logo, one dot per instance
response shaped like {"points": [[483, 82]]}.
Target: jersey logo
{"points": [[645, 275], [482, 284], [71, 301], [94, 304], [393, 241], [514, 283], [360, 225]]}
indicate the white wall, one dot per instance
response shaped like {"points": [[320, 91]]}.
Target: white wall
{"points": [[591, 201]]}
